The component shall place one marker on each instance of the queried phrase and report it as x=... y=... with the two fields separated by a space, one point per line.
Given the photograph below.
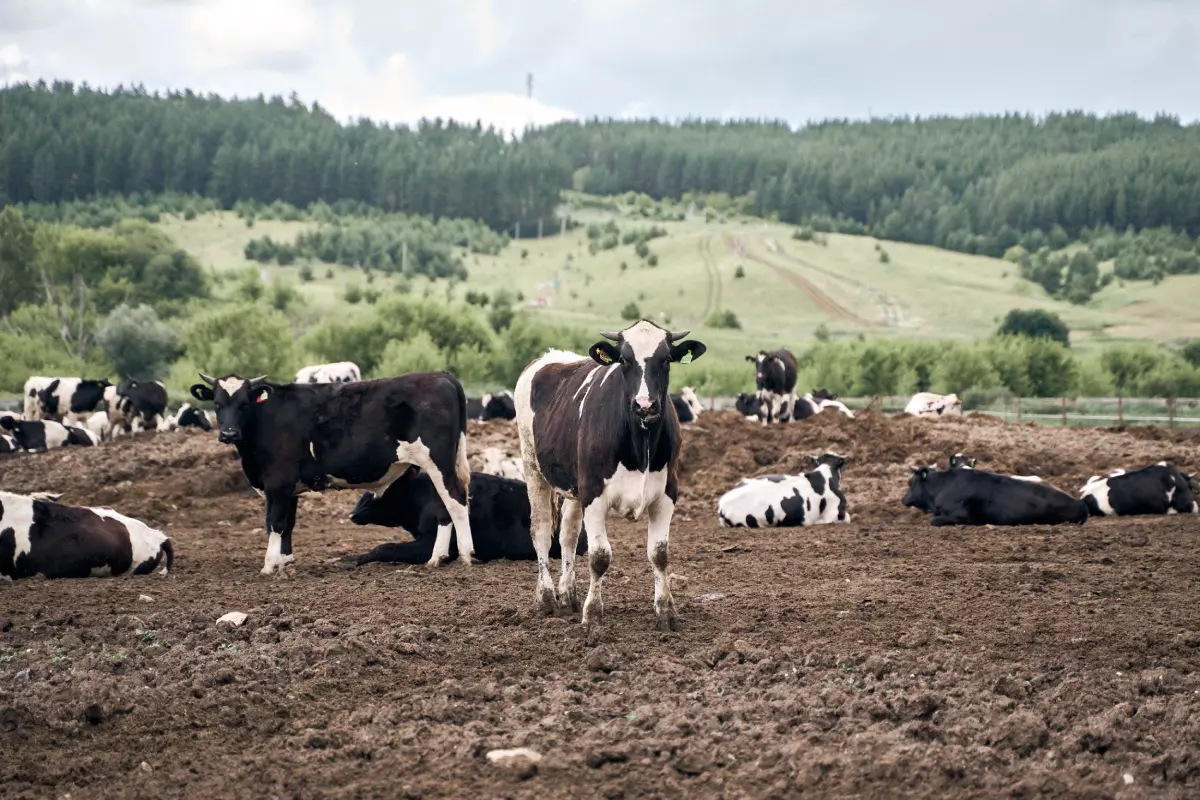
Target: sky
x=796 y=60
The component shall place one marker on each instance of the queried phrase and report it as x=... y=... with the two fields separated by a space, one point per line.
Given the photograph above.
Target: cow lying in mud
x=974 y=497
x=1157 y=489
x=499 y=515
x=814 y=498
x=41 y=536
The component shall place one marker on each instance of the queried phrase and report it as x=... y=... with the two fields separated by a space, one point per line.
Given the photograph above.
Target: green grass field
x=789 y=289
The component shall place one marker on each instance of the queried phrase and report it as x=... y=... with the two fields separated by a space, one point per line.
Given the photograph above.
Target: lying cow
x=1157 y=489
x=975 y=497
x=964 y=461
x=814 y=498
x=775 y=382
x=338 y=372
x=8 y=444
x=188 y=416
x=70 y=400
x=499 y=515
x=294 y=438
x=38 y=535
x=805 y=407
x=928 y=404
x=46 y=434
x=496 y=463
x=687 y=404
x=492 y=406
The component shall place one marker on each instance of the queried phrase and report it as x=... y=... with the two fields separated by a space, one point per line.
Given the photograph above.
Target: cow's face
x=47 y=398
x=760 y=364
x=236 y=400
x=747 y=404
x=918 y=494
x=644 y=353
x=962 y=461
x=364 y=512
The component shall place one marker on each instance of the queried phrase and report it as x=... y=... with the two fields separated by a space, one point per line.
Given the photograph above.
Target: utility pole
x=529 y=96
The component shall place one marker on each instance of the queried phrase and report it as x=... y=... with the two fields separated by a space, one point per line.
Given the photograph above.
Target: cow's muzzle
x=227 y=436
x=645 y=409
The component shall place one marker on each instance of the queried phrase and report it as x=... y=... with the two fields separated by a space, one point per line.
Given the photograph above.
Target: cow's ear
x=687 y=351
x=750 y=358
x=604 y=353
x=202 y=392
x=261 y=392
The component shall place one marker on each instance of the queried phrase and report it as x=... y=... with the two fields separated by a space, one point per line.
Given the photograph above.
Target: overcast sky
x=791 y=59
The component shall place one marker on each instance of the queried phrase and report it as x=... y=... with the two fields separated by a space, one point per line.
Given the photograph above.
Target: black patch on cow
x=28 y=435
x=770 y=514
x=68 y=542
x=817 y=481
x=823 y=505
x=8 y=549
x=751 y=522
x=682 y=409
x=78 y=437
x=146 y=400
x=793 y=509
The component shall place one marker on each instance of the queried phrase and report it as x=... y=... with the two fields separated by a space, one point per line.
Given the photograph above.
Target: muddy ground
x=883 y=657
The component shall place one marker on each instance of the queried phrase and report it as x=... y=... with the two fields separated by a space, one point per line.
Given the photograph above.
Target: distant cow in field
x=46 y=434
x=499 y=515
x=813 y=498
x=188 y=416
x=496 y=463
x=964 y=461
x=296 y=437
x=492 y=406
x=1157 y=489
x=687 y=405
x=928 y=404
x=975 y=497
x=602 y=433
x=809 y=405
x=38 y=535
x=70 y=400
x=32 y=409
x=140 y=400
x=338 y=372
x=775 y=381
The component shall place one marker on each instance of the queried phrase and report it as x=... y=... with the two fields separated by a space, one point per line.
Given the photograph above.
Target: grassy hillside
x=789 y=287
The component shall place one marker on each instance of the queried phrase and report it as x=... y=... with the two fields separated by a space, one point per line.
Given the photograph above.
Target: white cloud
x=13 y=64
x=259 y=34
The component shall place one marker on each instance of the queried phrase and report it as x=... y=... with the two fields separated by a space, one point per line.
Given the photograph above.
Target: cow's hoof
x=436 y=562
x=466 y=560
x=546 y=602
x=593 y=616
x=568 y=600
x=668 y=622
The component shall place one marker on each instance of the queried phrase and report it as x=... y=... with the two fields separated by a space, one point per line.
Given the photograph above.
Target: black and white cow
x=495 y=462
x=144 y=400
x=188 y=416
x=809 y=405
x=33 y=385
x=1157 y=489
x=70 y=400
x=299 y=437
x=602 y=433
x=824 y=394
x=749 y=406
x=8 y=444
x=499 y=515
x=975 y=497
x=687 y=404
x=38 y=535
x=775 y=380
x=964 y=461
x=814 y=498
x=930 y=405
x=46 y=434
x=492 y=406
x=338 y=372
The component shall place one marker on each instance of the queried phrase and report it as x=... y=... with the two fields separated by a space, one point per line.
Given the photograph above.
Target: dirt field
x=883 y=657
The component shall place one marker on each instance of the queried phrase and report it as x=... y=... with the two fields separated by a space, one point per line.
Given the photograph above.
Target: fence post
x=1018 y=409
x=1120 y=411
x=1063 y=404
x=1171 y=412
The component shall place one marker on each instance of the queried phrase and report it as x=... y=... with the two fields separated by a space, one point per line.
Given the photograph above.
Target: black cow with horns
x=602 y=433
x=294 y=438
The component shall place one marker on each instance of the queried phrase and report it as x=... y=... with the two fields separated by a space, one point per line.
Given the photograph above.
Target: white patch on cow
x=688 y=395
x=836 y=405
x=312 y=451
x=1027 y=478
x=523 y=401
x=18 y=515
x=753 y=496
x=92 y=435
x=645 y=339
x=483 y=401
x=231 y=385
x=1170 y=494
x=145 y=542
x=441 y=545
x=1161 y=464
x=417 y=454
x=163 y=424
x=337 y=372
x=609 y=370
x=97 y=424
x=275 y=559
x=583 y=388
x=1098 y=489
x=56 y=434
x=492 y=457
x=629 y=493
x=100 y=572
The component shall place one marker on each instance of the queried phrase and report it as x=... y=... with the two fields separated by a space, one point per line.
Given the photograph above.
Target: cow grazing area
x=882 y=656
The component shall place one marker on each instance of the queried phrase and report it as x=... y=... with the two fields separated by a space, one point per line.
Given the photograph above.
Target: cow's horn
x=675 y=337
x=206 y=379
x=613 y=336
x=258 y=380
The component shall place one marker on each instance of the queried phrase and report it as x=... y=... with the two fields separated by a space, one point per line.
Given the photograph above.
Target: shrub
x=740 y=272
x=189 y=214
x=631 y=311
x=305 y=273
x=244 y=338
x=353 y=293
x=280 y=295
x=1035 y=323
x=1191 y=352
x=722 y=319
x=652 y=260
x=417 y=354
x=137 y=343
x=884 y=258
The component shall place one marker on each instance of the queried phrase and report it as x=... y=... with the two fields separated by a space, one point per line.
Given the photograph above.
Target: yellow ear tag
x=687 y=358
x=604 y=356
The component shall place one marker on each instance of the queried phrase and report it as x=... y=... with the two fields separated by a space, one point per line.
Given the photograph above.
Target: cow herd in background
x=598 y=433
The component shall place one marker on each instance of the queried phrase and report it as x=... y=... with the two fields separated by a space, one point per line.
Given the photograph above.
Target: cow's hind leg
x=541 y=513
x=450 y=475
x=568 y=538
x=599 y=557
x=656 y=550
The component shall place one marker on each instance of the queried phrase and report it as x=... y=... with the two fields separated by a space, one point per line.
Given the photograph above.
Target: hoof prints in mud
x=879 y=657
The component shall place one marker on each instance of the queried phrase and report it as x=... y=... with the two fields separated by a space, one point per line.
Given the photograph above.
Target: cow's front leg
x=656 y=550
x=281 y=518
x=599 y=557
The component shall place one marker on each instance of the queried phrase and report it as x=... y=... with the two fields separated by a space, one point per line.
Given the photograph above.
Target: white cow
x=339 y=372
x=928 y=404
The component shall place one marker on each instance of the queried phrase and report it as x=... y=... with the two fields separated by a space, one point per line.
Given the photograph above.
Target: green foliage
x=353 y=293
x=884 y=258
x=1036 y=323
x=1191 y=352
x=963 y=367
x=281 y=295
x=630 y=311
x=245 y=338
x=652 y=260
x=305 y=273
x=879 y=370
x=18 y=253
x=1170 y=377
x=740 y=272
x=418 y=354
x=137 y=343
x=718 y=319
x=1127 y=364
x=477 y=299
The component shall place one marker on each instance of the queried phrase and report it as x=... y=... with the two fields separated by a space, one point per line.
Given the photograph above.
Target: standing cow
x=297 y=437
x=70 y=400
x=338 y=372
x=775 y=379
x=144 y=401
x=602 y=433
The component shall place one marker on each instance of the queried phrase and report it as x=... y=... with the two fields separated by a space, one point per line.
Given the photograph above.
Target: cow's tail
x=169 y=550
x=461 y=466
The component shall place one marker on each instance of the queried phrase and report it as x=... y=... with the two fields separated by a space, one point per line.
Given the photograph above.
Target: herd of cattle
x=598 y=433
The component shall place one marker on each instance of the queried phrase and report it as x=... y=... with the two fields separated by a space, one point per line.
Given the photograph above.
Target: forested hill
x=973 y=184
x=59 y=142
x=978 y=184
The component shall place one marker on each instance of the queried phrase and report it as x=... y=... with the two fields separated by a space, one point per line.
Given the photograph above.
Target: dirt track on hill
x=883 y=657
